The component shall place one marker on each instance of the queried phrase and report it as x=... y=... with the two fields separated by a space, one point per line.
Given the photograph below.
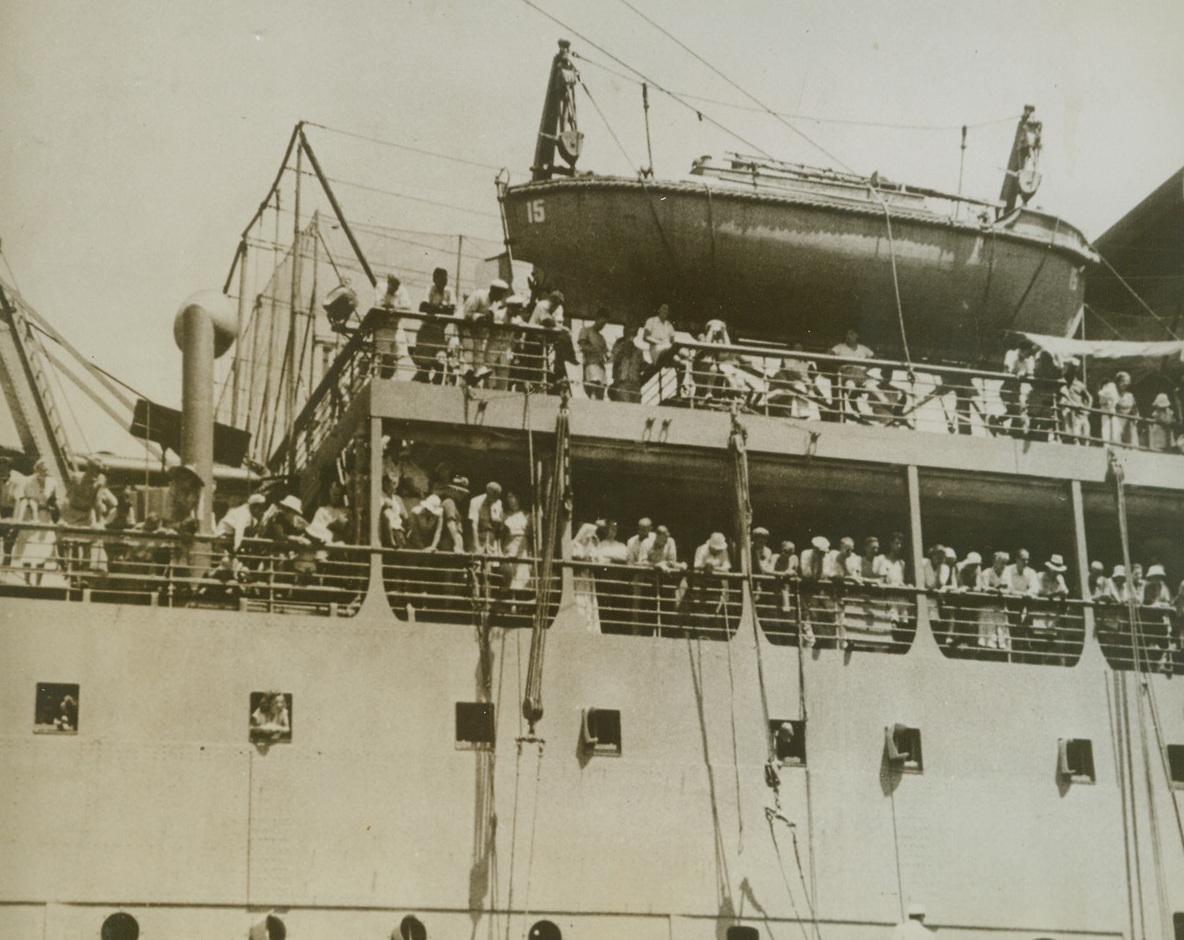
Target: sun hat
x=821 y=542
x=1097 y=567
x=256 y=499
x=717 y=542
x=1161 y=401
x=1118 y=572
x=498 y=284
x=974 y=558
x=431 y=504
x=1056 y=563
x=460 y=482
x=761 y=531
x=1155 y=571
x=293 y=503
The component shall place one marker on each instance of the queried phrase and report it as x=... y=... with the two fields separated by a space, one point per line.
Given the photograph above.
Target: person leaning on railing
x=39 y=500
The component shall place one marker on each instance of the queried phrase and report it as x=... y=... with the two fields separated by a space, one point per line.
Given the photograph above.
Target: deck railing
x=836 y=614
x=165 y=569
x=455 y=587
x=884 y=393
x=170 y=570
x=759 y=379
x=647 y=601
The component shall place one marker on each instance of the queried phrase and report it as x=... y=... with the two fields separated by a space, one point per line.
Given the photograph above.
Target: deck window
x=789 y=741
x=1075 y=761
x=902 y=746
x=1175 y=755
x=474 y=724
x=55 y=710
x=600 y=731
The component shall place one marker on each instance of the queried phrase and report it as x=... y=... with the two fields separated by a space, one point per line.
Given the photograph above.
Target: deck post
x=1090 y=649
x=917 y=546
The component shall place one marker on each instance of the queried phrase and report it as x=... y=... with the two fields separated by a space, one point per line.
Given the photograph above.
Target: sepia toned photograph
x=709 y=471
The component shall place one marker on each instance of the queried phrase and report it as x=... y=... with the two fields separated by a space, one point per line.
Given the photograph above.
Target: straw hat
x=256 y=499
x=1118 y=572
x=760 y=532
x=1161 y=401
x=1056 y=563
x=974 y=558
x=1156 y=571
x=717 y=542
x=293 y=503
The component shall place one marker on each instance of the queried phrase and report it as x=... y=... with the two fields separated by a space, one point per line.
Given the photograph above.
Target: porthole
x=410 y=928
x=544 y=930
x=120 y=926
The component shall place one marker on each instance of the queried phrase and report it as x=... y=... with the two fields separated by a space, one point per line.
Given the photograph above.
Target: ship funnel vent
x=1075 y=760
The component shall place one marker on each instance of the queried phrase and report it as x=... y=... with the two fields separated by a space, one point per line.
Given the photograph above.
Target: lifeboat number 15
x=536 y=211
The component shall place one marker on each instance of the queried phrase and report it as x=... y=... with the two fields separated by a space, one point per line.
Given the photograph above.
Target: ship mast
x=557 y=127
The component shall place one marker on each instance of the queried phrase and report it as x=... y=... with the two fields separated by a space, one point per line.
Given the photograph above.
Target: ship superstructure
x=362 y=735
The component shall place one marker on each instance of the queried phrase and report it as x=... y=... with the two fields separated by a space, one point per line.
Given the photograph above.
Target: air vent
x=902 y=747
x=600 y=731
x=1075 y=760
x=474 y=724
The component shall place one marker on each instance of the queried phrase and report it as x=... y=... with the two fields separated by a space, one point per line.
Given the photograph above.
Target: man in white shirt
x=853 y=378
x=550 y=308
x=242 y=521
x=395 y=297
x=659 y=336
x=634 y=551
x=478 y=314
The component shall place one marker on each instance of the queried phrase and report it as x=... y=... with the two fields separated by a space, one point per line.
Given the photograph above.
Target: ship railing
x=167 y=569
x=952 y=400
x=466 y=587
x=835 y=614
x=1155 y=644
x=637 y=600
x=1010 y=628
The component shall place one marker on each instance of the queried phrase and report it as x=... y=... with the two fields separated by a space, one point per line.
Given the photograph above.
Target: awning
x=1064 y=348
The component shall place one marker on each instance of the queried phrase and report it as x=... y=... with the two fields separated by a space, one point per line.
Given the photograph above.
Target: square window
x=271 y=718
x=1176 y=764
x=1075 y=760
x=474 y=724
x=740 y=932
x=789 y=741
x=55 y=710
x=600 y=731
x=902 y=746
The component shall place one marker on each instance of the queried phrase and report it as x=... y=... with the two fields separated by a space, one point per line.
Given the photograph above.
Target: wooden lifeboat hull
x=798 y=266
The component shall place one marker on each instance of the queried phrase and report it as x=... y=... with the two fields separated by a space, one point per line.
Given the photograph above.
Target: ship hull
x=795 y=266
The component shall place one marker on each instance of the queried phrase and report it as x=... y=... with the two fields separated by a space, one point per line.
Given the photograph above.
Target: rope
x=1172 y=333
x=770 y=816
x=609 y=128
x=699 y=114
x=895 y=281
x=747 y=94
x=534 y=818
x=407 y=147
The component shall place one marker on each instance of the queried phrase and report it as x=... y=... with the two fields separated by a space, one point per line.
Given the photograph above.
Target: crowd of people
x=485 y=340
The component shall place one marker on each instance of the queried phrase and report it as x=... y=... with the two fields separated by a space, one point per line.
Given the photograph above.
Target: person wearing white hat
x=1075 y=404
x=1118 y=590
x=549 y=308
x=1119 y=410
x=242 y=521
x=1161 y=428
x=478 y=314
x=1156 y=622
x=594 y=349
x=812 y=558
x=706 y=603
x=424 y=524
x=762 y=554
x=1045 y=620
x=994 y=630
x=1155 y=588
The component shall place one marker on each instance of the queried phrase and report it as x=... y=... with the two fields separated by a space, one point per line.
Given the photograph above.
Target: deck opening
x=1075 y=761
x=474 y=724
x=120 y=926
x=600 y=731
x=903 y=747
x=789 y=741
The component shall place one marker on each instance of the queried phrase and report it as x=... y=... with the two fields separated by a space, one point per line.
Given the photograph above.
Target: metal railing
x=835 y=614
x=1007 y=627
x=646 y=601
x=1156 y=644
x=806 y=386
x=455 y=587
x=170 y=570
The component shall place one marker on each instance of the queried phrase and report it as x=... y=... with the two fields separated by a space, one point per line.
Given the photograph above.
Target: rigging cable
x=895 y=281
x=1172 y=333
x=390 y=143
x=698 y=113
x=747 y=94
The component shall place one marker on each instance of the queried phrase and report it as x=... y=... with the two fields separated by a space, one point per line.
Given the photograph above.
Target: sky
x=138 y=137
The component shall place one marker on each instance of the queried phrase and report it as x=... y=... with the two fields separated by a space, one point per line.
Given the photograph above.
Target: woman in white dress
x=585 y=548
x=39 y=499
x=515 y=545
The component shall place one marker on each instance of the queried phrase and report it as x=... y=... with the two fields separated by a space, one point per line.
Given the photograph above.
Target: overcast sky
x=137 y=137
